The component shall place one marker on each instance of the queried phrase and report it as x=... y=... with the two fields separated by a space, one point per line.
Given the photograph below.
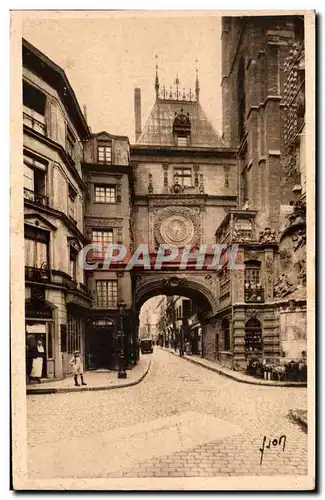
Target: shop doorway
x=35 y=333
x=101 y=346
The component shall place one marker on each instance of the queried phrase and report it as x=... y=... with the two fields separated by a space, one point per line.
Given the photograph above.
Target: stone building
x=185 y=182
x=180 y=184
x=262 y=308
x=108 y=177
x=54 y=131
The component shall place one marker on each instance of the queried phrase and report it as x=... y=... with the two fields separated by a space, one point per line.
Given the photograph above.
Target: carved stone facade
x=265 y=68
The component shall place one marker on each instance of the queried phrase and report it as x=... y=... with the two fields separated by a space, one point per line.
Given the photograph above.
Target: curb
x=59 y=390
x=269 y=383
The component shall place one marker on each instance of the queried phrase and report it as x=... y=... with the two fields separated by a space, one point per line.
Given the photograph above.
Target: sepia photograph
x=162 y=266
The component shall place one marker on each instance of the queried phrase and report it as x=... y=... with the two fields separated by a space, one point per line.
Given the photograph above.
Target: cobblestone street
x=182 y=420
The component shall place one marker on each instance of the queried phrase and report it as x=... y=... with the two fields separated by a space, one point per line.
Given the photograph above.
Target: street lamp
x=121 y=369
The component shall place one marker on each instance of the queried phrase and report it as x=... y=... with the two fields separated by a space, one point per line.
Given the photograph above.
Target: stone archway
x=197 y=286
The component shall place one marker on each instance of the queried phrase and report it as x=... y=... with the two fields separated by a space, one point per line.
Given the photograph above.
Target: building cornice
x=56 y=213
x=139 y=150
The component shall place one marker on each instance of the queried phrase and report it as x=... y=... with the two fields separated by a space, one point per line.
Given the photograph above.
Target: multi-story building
x=185 y=181
x=262 y=310
x=108 y=177
x=181 y=184
x=55 y=131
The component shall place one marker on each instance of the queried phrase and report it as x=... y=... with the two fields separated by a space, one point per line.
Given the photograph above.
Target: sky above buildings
x=107 y=54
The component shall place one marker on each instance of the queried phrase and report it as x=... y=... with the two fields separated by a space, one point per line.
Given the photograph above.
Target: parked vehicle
x=146 y=346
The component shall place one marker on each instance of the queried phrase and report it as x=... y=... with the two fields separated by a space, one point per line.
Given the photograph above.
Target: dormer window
x=104 y=153
x=182 y=128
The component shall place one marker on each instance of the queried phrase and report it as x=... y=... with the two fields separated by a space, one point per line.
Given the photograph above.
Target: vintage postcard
x=162 y=239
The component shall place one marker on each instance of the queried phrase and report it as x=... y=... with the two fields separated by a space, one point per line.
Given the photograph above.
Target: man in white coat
x=77 y=368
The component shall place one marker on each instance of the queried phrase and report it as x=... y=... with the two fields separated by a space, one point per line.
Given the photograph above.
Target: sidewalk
x=96 y=381
x=239 y=376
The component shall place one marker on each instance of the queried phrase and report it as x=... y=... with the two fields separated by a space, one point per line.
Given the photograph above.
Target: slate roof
x=158 y=130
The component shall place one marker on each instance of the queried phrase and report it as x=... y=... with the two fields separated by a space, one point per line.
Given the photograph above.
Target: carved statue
x=150 y=187
x=301 y=268
x=283 y=286
x=267 y=236
x=182 y=119
x=299 y=239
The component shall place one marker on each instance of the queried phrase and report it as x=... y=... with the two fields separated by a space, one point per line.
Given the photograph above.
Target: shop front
x=39 y=331
x=101 y=340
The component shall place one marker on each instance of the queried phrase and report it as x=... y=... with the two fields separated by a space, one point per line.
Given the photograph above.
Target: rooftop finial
x=177 y=82
x=197 y=85
x=157 y=77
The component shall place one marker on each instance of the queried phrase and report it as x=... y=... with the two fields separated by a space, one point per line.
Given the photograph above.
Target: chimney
x=137 y=112
x=85 y=113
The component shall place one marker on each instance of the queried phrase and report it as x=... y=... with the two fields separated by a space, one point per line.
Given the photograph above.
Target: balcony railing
x=30 y=195
x=253 y=292
x=35 y=124
x=37 y=274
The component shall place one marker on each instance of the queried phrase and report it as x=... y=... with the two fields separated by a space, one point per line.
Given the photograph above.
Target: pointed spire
x=157 y=78
x=197 y=85
x=177 y=82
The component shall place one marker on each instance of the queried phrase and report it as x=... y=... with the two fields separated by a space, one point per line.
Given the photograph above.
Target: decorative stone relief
x=150 y=187
x=269 y=276
x=121 y=153
x=201 y=188
x=285 y=258
x=114 y=223
x=299 y=239
x=177 y=225
x=298 y=215
x=242 y=230
x=226 y=172
x=174 y=281
x=267 y=236
x=301 y=270
x=283 y=287
x=168 y=201
x=165 y=168
x=196 y=169
x=294 y=107
x=208 y=279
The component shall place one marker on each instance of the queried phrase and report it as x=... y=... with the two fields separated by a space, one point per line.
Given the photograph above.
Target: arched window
x=253 y=336
x=241 y=98
x=225 y=332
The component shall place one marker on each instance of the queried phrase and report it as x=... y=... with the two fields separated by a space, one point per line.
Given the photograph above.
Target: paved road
x=182 y=420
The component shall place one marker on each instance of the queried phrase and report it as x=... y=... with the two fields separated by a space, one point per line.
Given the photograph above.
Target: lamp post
x=121 y=369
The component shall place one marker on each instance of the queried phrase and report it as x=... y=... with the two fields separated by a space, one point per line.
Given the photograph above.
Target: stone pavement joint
x=239 y=376
x=96 y=381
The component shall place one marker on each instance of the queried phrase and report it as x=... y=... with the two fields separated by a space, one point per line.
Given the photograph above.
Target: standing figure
x=77 y=368
x=37 y=364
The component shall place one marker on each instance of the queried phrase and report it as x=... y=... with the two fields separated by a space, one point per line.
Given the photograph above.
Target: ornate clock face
x=177 y=230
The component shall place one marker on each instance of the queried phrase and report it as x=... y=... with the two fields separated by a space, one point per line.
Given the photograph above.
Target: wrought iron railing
x=41 y=199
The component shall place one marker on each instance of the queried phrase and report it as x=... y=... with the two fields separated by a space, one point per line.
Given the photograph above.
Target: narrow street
x=182 y=420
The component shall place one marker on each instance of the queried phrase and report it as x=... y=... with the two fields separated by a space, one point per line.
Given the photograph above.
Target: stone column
x=268 y=275
x=239 y=337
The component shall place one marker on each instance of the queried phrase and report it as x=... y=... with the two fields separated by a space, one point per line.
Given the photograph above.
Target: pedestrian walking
x=77 y=368
x=38 y=360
